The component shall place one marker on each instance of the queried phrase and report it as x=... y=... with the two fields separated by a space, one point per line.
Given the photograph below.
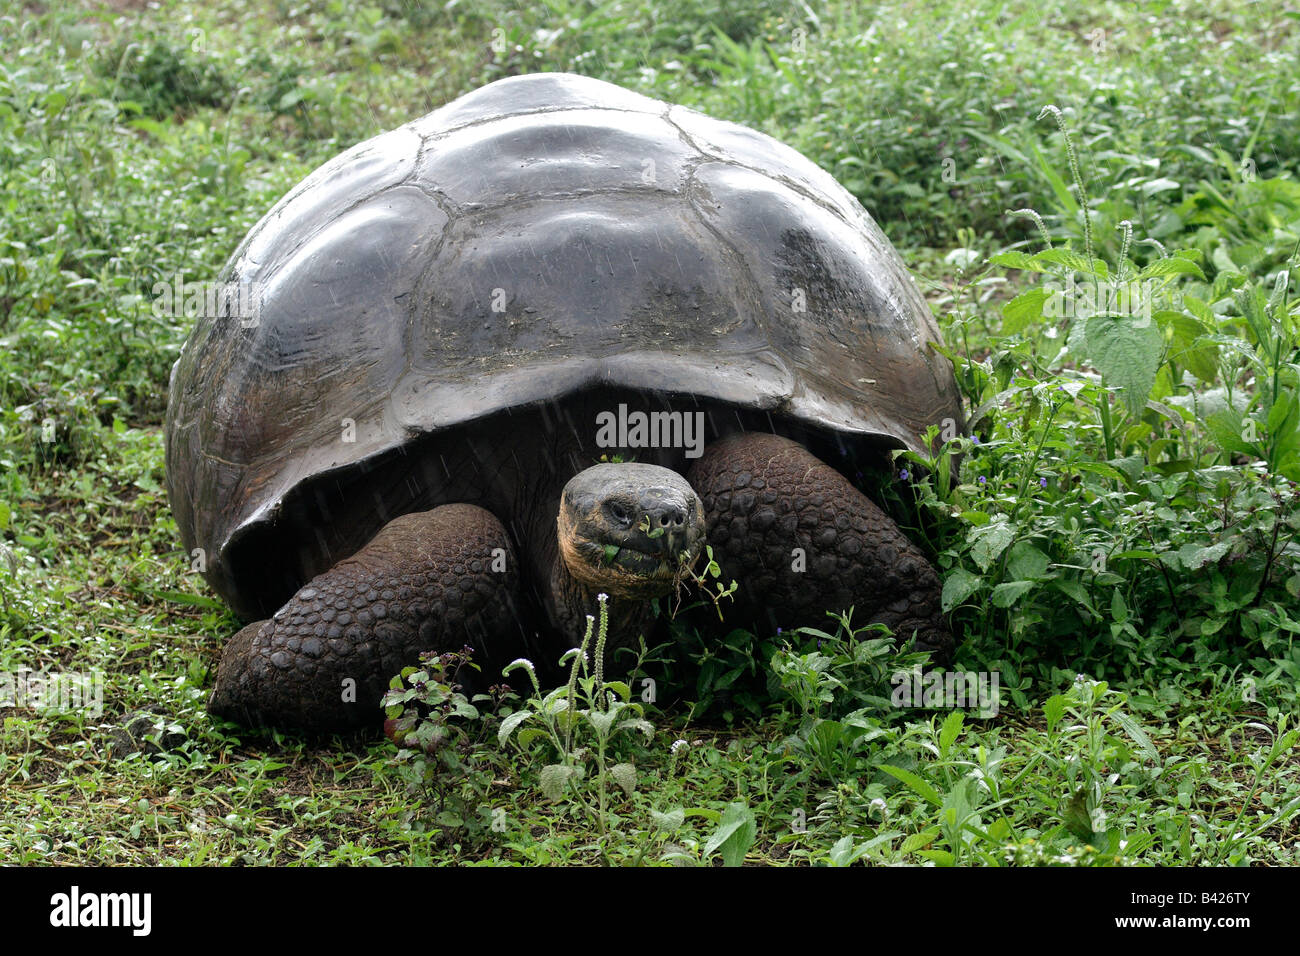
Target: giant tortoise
x=541 y=345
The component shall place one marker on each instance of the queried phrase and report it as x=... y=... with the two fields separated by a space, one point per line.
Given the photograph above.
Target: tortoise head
x=627 y=529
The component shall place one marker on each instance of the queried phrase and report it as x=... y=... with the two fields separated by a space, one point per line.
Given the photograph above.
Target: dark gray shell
x=628 y=242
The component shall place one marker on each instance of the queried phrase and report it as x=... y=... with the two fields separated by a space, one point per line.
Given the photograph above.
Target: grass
x=1117 y=546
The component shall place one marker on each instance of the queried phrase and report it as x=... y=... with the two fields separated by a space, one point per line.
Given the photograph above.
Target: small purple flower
x=975 y=439
x=981 y=479
x=1042 y=482
x=903 y=474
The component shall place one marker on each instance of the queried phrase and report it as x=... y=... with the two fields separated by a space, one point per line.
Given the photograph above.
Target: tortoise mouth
x=630 y=555
x=628 y=529
x=622 y=569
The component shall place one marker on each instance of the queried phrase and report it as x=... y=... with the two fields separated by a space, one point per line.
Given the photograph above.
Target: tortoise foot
x=433 y=581
x=801 y=541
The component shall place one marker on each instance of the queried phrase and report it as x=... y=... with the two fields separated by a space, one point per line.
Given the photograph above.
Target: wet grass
x=140 y=141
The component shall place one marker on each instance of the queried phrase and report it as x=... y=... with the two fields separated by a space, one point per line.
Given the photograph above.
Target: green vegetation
x=1102 y=206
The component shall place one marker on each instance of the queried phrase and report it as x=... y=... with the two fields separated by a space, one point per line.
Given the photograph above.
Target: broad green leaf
x=670 y=820
x=1075 y=261
x=466 y=710
x=1180 y=467
x=1136 y=553
x=1133 y=468
x=1282 y=420
x=624 y=774
x=1194 y=556
x=1126 y=351
x=557 y=702
x=1199 y=309
x=526 y=736
x=713 y=816
x=554 y=777
x=1026 y=563
x=1138 y=736
x=510 y=723
x=620 y=688
x=988 y=542
x=949 y=731
x=959 y=585
x=1118 y=607
x=1009 y=592
x=917 y=785
x=1023 y=310
x=842 y=852
x=1136 y=433
x=1016 y=260
x=734 y=836
x=938 y=857
x=1101 y=468
x=637 y=723
x=1186 y=347
x=1075 y=815
x=1054 y=709
x=1172 y=266
x=1225 y=426
x=1184 y=329
x=601 y=721
x=918 y=840
x=1076 y=591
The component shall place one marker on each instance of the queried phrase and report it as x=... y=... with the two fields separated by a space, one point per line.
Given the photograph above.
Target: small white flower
x=679 y=744
x=602 y=597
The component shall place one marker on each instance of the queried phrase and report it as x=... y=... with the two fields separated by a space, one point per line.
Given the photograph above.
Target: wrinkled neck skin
x=566 y=601
x=572 y=601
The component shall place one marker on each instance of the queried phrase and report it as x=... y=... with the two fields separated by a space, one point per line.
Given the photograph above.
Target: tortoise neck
x=565 y=600
x=570 y=602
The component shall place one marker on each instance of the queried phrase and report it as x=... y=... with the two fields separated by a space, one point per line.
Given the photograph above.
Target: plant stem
x=1164 y=573
x=1107 y=429
x=1268 y=563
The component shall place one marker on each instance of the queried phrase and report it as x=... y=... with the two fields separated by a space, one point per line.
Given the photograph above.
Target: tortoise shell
x=540 y=236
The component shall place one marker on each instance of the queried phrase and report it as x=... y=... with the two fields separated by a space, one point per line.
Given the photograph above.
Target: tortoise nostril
x=669 y=516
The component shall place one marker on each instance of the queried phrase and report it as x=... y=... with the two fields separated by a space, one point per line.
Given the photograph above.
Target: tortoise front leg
x=801 y=541
x=432 y=581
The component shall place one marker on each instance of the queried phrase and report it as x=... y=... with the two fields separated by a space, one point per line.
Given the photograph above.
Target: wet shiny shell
x=541 y=235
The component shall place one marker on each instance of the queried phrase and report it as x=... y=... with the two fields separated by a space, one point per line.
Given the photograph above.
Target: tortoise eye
x=619 y=512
